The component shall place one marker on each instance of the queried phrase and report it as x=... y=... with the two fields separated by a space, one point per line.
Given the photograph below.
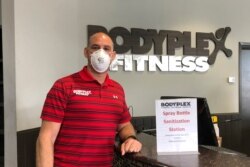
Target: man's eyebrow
x=93 y=45
x=96 y=45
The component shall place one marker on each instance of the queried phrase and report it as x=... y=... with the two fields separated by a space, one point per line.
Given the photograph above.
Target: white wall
x=50 y=35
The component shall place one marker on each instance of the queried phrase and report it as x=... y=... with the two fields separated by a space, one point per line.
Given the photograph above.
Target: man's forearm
x=127 y=131
x=45 y=144
x=44 y=153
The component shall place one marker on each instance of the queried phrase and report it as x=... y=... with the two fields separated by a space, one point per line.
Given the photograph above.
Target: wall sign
x=132 y=52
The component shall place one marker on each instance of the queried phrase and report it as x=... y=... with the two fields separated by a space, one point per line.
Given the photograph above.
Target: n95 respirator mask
x=100 y=60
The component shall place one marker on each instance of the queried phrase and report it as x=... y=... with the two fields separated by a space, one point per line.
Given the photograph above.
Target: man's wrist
x=131 y=136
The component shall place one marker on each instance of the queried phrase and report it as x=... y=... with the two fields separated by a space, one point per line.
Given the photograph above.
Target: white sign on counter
x=176 y=126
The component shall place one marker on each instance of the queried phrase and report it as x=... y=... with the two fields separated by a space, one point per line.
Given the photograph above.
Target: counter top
x=206 y=157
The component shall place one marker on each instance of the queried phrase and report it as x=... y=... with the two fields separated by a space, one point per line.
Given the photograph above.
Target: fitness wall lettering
x=132 y=52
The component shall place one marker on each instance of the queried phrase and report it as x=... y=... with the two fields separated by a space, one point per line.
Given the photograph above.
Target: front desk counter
x=206 y=158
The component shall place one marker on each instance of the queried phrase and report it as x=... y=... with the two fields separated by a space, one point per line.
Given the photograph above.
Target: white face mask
x=100 y=60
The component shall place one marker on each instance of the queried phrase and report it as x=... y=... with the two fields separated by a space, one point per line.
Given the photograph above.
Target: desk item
x=176 y=124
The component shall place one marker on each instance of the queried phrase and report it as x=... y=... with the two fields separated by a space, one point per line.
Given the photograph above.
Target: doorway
x=1 y=105
x=244 y=95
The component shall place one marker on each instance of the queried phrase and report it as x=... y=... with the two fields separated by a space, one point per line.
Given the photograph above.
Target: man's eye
x=107 y=49
x=95 y=47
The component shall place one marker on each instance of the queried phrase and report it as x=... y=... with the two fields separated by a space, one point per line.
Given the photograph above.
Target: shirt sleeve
x=55 y=103
x=125 y=116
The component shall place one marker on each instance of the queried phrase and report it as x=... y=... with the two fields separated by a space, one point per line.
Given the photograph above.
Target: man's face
x=100 y=41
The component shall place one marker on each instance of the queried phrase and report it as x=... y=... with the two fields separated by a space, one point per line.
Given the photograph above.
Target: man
x=83 y=113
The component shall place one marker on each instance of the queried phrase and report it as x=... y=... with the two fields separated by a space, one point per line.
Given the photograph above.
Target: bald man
x=83 y=113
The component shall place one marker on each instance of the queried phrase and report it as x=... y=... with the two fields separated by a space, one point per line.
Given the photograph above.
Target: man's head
x=99 y=52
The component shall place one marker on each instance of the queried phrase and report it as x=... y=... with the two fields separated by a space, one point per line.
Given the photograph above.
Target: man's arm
x=127 y=134
x=45 y=144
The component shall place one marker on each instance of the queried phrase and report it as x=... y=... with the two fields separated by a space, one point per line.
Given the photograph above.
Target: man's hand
x=130 y=145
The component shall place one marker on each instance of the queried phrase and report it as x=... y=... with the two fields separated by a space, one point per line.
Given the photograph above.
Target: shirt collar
x=86 y=76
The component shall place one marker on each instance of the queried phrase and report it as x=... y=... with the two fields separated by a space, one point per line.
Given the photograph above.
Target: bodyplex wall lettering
x=140 y=42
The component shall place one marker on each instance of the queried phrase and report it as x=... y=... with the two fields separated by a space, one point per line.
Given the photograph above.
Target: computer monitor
x=206 y=132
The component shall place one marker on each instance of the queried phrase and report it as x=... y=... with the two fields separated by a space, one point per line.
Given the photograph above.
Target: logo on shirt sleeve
x=82 y=92
x=115 y=97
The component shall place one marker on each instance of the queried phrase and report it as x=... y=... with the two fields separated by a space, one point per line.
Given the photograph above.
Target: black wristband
x=131 y=136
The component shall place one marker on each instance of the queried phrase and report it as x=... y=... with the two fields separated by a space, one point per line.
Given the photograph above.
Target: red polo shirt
x=89 y=114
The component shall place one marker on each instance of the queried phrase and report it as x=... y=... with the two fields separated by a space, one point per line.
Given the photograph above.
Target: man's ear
x=86 y=52
x=113 y=55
